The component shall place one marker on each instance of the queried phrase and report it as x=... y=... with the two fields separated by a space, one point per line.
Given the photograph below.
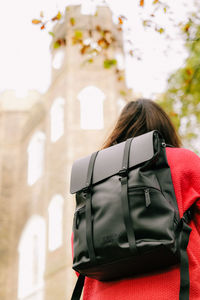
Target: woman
x=139 y=117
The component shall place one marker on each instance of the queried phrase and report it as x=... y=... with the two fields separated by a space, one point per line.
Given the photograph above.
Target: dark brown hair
x=141 y=116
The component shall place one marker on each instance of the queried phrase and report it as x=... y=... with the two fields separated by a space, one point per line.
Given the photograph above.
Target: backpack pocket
x=152 y=217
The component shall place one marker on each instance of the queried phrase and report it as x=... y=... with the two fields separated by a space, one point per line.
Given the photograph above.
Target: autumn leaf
x=160 y=30
x=98 y=28
x=72 y=21
x=189 y=71
x=142 y=3
x=78 y=34
x=59 y=43
x=56 y=45
x=57 y=17
x=85 y=49
x=120 y=78
x=122 y=93
x=36 y=21
x=186 y=27
x=155 y=1
x=51 y=33
x=173 y=114
x=42 y=27
x=120 y=20
x=103 y=43
x=108 y=63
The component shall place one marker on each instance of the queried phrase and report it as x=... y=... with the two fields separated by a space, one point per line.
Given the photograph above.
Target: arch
x=31 y=257
x=55 y=232
x=36 y=157
x=57 y=119
x=120 y=60
x=91 y=108
x=58 y=59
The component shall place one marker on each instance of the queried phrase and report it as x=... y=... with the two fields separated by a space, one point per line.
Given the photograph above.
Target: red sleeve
x=185 y=170
x=72 y=237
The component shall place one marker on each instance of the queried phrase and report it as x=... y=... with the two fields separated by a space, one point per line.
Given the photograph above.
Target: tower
x=41 y=136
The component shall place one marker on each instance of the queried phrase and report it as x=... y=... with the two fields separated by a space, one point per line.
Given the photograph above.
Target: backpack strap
x=184 y=263
x=78 y=287
x=124 y=197
x=89 y=225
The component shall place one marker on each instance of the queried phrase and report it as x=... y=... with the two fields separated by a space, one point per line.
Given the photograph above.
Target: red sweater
x=185 y=169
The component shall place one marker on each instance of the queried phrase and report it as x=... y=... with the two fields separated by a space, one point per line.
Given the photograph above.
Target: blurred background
x=67 y=68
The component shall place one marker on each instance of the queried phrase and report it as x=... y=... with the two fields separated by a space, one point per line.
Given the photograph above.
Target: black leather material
x=109 y=161
x=152 y=207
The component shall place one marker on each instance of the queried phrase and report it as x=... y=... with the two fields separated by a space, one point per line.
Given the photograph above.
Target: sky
x=25 y=58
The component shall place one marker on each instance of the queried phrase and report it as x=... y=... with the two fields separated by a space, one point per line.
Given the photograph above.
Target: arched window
x=57 y=119
x=55 y=211
x=36 y=157
x=58 y=59
x=91 y=105
x=120 y=60
x=32 y=258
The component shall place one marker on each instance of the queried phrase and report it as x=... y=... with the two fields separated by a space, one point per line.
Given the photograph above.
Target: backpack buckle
x=123 y=172
x=87 y=189
x=187 y=216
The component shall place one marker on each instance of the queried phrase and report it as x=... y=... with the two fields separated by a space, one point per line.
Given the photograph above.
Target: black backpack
x=127 y=221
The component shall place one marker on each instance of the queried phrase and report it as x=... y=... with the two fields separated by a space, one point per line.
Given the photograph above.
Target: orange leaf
x=84 y=49
x=91 y=60
x=173 y=114
x=155 y=1
x=141 y=2
x=186 y=27
x=57 y=17
x=120 y=78
x=36 y=21
x=189 y=71
x=42 y=27
x=98 y=28
x=120 y=20
x=103 y=43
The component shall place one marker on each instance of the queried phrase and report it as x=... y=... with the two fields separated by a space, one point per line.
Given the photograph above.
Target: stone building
x=40 y=136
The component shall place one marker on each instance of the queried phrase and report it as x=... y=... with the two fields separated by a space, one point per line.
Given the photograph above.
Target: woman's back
x=185 y=170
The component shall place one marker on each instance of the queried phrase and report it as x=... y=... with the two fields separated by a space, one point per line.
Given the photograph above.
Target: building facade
x=41 y=136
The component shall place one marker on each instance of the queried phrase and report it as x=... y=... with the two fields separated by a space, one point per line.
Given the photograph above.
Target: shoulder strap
x=89 y=225
x=78 y=288
x=184 y=263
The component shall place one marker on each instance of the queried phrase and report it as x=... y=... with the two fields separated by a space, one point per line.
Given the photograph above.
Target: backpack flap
x=109 y=160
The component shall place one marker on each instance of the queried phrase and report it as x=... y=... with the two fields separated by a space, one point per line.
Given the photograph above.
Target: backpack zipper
x=147 y=197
